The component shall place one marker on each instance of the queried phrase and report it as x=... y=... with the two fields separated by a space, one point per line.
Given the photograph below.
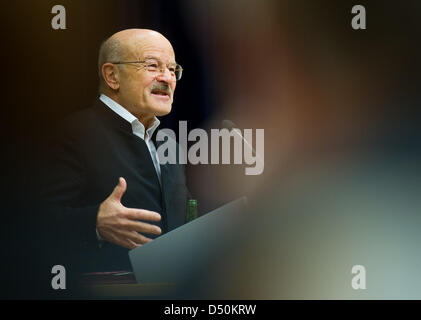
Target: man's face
x=142 y=92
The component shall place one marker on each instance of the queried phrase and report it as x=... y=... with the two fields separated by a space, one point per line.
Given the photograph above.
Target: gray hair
x=111 y=50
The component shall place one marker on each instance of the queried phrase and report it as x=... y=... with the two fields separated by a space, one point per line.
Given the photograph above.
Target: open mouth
x=160 y=93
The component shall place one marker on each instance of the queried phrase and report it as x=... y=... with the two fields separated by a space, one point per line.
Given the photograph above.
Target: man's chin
x=160 y=111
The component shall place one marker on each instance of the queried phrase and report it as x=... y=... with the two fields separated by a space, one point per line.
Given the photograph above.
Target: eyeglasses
x=157 y=67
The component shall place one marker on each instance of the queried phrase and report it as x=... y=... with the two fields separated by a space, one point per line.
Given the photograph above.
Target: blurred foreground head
x=339 y=109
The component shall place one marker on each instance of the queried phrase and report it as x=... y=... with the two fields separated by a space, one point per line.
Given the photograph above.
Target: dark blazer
x=93 y=148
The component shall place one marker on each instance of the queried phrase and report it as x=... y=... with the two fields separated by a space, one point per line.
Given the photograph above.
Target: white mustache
x=164 y=88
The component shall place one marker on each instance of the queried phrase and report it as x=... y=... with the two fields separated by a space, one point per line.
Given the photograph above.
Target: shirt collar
x=137 y=127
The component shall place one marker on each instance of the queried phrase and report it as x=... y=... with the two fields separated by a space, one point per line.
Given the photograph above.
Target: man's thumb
x=119 y=189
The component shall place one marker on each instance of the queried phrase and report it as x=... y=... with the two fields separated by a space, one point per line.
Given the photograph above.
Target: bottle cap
x=192 y=202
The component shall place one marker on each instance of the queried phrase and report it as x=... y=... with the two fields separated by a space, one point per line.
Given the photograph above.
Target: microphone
x=228 y=124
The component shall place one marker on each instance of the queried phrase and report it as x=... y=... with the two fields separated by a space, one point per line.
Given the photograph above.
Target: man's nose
x=165 y=76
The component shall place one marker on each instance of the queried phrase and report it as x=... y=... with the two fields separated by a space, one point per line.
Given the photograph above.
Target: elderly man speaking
x=105 y=188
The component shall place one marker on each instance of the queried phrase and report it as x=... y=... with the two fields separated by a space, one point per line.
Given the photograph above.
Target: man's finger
x=119 y=189
x=142 y=227
x=133 y=236
x=146 y=240
x=126 y=243
x=141 y=214
x=132 y=244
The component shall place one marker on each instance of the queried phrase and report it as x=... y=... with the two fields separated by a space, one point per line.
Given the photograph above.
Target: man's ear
x=111 y=75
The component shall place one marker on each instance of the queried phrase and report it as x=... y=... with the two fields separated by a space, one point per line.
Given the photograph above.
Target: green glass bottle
x=191 y=210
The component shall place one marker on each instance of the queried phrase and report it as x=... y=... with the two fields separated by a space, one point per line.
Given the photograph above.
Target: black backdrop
x=51 y=73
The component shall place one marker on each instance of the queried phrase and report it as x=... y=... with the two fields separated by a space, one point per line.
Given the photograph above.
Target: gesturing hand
x=119 y=225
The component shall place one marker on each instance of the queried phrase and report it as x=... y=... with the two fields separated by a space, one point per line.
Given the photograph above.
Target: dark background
x=52 y=73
